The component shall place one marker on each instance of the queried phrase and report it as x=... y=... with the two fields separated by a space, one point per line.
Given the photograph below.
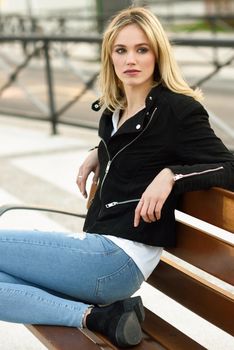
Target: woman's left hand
x=152 y=200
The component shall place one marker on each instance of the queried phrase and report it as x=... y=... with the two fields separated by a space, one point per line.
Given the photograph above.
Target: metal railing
x=63 y=24
x=44 y=43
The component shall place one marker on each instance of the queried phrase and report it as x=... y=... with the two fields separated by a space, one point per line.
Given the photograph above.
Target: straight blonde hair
x=168 y=72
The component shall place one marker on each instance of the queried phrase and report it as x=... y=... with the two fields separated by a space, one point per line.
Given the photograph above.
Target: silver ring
x=80 y=176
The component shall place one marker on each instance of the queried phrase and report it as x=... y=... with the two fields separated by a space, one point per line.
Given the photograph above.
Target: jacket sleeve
x=202 y=160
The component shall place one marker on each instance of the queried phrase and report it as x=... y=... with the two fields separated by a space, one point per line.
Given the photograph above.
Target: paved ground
x=40 y=169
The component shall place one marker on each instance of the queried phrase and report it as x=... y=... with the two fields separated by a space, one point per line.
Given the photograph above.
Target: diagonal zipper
x=121 y=150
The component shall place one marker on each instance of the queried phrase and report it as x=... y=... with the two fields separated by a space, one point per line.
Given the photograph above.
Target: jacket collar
x=135 y=124
x=153 y=97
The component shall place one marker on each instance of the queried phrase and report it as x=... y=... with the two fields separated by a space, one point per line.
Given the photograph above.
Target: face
x=132 y=57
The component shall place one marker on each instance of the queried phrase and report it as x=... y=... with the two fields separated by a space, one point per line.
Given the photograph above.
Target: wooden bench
x=202 y=245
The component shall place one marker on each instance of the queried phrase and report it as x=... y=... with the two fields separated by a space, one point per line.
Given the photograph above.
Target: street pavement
x=40 y=169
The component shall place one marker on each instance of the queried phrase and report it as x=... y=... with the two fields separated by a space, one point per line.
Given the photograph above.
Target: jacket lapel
x=133 y=125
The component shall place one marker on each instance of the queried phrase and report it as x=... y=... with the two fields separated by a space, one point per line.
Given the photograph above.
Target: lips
x=131 y=71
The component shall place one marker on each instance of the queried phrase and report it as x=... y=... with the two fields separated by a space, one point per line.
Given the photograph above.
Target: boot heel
x=128 y=332
x=136 y=305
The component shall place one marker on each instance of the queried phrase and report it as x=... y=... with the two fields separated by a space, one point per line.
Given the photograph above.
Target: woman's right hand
x=90 y=164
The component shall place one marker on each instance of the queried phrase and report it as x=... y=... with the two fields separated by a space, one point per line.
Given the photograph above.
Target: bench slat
x=66 y=338
x=216 y=206
x=201 y=299
x=167 y=335
x=159 y=335
x=205 y=252
x=63 y=338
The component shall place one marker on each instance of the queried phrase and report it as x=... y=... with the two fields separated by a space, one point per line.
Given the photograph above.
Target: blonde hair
x=168 y=70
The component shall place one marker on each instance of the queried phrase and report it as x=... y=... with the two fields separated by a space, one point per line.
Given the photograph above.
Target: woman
x=156 y=143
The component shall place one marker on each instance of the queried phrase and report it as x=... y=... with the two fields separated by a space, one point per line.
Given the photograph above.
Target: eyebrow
x=141 y=44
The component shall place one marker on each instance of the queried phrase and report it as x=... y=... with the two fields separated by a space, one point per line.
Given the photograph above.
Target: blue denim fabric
x=52 y=277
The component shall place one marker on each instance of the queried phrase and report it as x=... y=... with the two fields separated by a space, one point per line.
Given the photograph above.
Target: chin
x=133 y=82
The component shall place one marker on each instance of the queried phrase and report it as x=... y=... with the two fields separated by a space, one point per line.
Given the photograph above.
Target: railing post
x=105 y=9
x=51 y=100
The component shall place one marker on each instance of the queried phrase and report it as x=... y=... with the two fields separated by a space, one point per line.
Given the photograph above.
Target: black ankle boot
x=120 y=321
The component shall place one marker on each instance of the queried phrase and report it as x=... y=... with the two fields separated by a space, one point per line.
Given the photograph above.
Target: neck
x=135 y=97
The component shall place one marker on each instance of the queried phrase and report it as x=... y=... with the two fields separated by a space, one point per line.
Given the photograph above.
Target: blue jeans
x=52 y=278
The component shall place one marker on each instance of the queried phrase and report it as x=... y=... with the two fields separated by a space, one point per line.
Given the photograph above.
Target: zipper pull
x=177 y=177
x=108 y=166
x=109 y=205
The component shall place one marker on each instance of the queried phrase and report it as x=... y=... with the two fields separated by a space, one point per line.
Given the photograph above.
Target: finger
x=81 y=182
x=137 y=215
x=144 y=212
x=83 y=186
x=158 y=209
x=79 y=177
x=96 y=175
x=151 y=211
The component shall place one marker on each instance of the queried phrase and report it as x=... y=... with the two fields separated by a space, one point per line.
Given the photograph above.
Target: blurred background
x=49 y=63
x=49 y=56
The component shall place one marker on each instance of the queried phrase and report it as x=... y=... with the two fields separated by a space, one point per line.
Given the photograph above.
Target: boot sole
x=128 y=331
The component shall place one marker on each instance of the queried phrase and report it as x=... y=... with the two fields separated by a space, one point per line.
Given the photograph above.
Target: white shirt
x=146 y=257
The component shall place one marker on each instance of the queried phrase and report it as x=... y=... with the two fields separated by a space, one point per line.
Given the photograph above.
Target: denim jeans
x=52 y=278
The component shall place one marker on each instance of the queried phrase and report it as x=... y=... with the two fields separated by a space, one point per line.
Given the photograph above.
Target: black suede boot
x=120 y=321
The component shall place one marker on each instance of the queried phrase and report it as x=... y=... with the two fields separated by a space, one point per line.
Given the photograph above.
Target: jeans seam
x=135 y=273
x=112 y=275
x=37 y=298
x=114 y=251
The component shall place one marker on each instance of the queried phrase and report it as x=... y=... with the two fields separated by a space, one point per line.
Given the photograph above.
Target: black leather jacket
x=173 y=132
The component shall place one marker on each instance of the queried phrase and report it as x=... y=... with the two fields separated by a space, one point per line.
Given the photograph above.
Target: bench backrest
x=208 y=247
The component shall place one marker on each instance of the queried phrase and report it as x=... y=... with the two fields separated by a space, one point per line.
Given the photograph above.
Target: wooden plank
x=63 y=338
x=167 y=335
x=68 y=338
x=207 y=302
x=91 y=195
x=216 y=206
x=158 y=335
x=205 y=252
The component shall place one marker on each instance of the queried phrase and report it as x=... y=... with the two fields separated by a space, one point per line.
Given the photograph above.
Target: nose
x=130 y=58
